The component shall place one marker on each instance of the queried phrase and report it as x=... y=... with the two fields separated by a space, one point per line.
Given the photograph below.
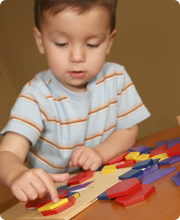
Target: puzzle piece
x=143 y=164
x=103 y=196
x=53 y=205
x=75 y=194
x=109 y=168
x=161 y=143
x=132 y=156
x=176 y=179
x=159 y=150
x=143 y=193
x=125 y=163
x=148 y=171
x=157 y=175
x=140 y=148
x=79 y=178
x=123 y=188
x=61 y=195
x=161 y=157
x=142 y=157
x=170 y=160
x=116 y=159
x=34 y=203
x=148 y=150
x=130 y=174
x=174 y=150
x=79 y=187
x=71 y=201
x=173 y=142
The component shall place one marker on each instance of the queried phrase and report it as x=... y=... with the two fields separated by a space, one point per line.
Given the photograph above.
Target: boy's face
x=75 y=45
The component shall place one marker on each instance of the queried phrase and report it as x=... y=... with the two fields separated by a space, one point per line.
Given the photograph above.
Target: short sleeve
x=131 y=109
x=25 y=117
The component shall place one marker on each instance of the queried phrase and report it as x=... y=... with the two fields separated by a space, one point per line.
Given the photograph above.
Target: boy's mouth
x=77 y=74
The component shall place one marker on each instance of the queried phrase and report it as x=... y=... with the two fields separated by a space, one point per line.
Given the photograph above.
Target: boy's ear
x=111 y=40
x=38 y=39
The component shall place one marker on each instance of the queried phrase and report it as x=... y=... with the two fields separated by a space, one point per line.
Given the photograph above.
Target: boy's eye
x=93 y=45
x=61 y=45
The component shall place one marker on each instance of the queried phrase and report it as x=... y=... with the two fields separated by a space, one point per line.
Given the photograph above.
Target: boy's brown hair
x=55 y=6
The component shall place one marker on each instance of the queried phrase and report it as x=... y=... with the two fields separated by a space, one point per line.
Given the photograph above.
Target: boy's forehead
x=93 y=15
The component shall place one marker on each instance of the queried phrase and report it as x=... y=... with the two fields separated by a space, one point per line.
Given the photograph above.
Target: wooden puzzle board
x=88 y=197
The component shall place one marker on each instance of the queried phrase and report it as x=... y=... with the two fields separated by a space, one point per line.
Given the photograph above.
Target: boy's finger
x=58 y=178
x=48 y=181
x=21 y=196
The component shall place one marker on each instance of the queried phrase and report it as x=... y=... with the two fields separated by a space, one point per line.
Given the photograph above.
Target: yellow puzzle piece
x=162 y=156
x=132 y=155
x=108 y=168
x=53 y=205
x=142 y=157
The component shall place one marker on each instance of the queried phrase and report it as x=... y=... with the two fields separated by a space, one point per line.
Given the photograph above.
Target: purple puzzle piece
x=79 y=186
x=140 y=148
x=161 y=143
x=173 y=142
x=176 y=179
x=148 y=171
x=157 y=175
x=169 y=160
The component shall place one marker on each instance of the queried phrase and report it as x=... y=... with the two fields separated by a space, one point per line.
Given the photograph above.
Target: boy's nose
x=77 y=54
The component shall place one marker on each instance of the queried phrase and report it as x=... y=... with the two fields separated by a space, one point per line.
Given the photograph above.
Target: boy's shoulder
x=114 y=67
x=38 y=85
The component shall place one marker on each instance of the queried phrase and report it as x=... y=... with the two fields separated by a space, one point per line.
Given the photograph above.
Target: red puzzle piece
x=137 y=196
x=125 y=163
x=71 y=201
x=79 y=178
x=159 y=150
x=123 y=188
x=34 y=203
x=116 y=159
x=61 y=195
x=174 y=150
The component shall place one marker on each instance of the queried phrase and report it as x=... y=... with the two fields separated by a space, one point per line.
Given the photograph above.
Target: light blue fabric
x=57 y=120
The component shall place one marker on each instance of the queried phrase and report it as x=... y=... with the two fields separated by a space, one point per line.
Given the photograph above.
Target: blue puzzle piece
x=148 y=151
x=176 y=179
x=103 y=196
x=169 y=160
x=130 y=174
x=140 y=148
x=143 y=164
x=100 y=168
x=157 y=175
x=173 y=142
x=155 y=161
x=148 y=171
x=161 y=143
x=62 y=187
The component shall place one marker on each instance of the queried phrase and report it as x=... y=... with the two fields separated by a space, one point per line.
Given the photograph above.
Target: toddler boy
x=79 y=113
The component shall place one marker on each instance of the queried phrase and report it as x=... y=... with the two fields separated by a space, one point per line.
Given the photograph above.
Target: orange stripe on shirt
x=99 y=109
x=27 y=122
x=106 y=77
x=62 y=148
x=119 y=93
x=51 y=165
x=101 y=134
x=119 y=116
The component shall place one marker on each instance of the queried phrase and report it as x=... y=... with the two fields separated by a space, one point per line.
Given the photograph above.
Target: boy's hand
x=33 y=184
x=87 y=158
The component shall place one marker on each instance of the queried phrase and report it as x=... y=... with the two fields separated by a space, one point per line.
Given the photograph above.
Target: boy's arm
x=118 y=142
x=92 y=158
x=26 y=184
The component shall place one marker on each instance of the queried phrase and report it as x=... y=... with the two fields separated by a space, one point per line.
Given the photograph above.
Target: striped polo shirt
x=57 y=121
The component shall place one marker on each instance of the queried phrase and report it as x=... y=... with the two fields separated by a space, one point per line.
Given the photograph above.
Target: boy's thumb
x=58 y=178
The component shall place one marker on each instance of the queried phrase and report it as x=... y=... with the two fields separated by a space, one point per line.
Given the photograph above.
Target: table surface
x=164 y=203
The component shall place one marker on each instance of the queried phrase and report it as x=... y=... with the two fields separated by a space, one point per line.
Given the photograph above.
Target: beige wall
x=147 y=44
